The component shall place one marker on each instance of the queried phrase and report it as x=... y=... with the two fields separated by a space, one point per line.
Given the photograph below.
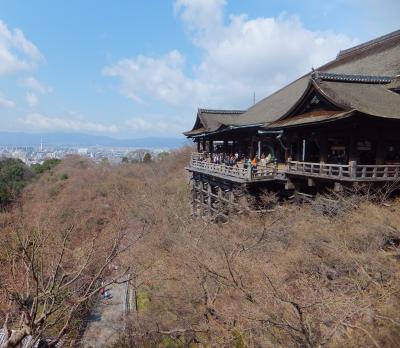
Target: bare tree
x=49 y=279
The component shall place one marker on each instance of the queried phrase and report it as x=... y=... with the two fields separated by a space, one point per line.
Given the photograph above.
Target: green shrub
x=147 y=157
x=14 y=175
x=46 y=165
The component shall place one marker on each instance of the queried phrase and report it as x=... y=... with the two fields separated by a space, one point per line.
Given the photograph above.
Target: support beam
x=220 y=202
x=289 y=185
x=194 y=197
x=209 y=199
x=338 y=187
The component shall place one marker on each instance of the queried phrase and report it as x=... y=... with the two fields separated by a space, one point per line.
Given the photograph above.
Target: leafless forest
x=298 y=275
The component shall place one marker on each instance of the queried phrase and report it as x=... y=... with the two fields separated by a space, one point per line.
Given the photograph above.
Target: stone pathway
x=106 y=322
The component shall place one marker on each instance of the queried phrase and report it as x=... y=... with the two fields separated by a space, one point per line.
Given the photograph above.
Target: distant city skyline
x=40 y=140
x=135 y=69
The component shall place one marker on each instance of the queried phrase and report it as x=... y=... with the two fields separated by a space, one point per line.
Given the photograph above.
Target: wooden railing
x=320 y=169
x=382 y=172
x=238 y=170
x=220 y=169
x=350 y=171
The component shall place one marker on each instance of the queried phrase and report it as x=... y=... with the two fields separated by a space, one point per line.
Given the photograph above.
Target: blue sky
x=141 y=68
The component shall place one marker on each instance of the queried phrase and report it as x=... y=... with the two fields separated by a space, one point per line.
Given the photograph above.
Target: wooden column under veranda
x=206 y=203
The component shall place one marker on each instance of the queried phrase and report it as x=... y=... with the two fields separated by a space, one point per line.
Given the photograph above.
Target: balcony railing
x=338 y=171
x=239 y=171
x=341 y=172
x=351 y=171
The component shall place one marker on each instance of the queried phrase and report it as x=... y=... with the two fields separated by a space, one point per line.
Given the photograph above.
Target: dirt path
x=106 y=322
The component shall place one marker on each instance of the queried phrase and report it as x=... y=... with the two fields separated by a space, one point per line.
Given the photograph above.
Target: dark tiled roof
x=223 y=112
x=370 y=64
x=209 y=120
x=369 y=44
x=310 y=118
x=194 y=132
x=381 y=60
x=372 y=99
x=326 y=76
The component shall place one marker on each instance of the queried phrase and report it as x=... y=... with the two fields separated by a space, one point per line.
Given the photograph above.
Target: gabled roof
x=343 y=94
x=210 y=120
x=371 y=99
x=311 y=118
x=364 y=66
x=378 y=57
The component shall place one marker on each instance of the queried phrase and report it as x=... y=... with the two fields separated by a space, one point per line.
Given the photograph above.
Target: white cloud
x=159 y=78
x=154 y=124
x=16 y=51
x=5 y=102
x=204 y=19
x=240 y=57
x=34 y=85
x=139 y=124
x=32 y=99
x=39 y=121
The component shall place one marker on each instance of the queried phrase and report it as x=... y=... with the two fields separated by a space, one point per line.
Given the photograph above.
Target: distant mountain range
x=79 y=139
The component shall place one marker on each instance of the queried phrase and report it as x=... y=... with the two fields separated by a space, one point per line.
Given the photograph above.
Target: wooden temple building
x=337 y=125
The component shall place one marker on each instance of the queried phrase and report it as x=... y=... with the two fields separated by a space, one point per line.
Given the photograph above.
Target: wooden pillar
x=201 y=187
x=231 y=200
x=204 y=144
x=353 y=169
x=209 y=199
x=198 y=145
x=252 y=147
x=337 y=187
x=380 y=151
x=299 y=149
x=194 y=194
x=211 y=146
x=288 y=150
x=225 y=146
x=323 y=149
x=220 y=202
x=259 y=149
x=353 y=153
x=289 y=185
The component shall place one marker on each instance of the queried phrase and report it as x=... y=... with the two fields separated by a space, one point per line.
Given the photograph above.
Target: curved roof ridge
x=221 y=111
x=368 y=44
x=358 y=78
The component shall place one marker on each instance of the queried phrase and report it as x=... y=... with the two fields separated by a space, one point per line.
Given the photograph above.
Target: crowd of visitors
x=236 y=159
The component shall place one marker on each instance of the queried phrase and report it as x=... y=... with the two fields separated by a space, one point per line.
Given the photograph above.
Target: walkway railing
x=378 y=172
x=345 y=172
x=237 y=171
x=320 y=169
x=351 y=171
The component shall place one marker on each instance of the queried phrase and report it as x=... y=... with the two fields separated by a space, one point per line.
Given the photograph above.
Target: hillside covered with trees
x=291 y=276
